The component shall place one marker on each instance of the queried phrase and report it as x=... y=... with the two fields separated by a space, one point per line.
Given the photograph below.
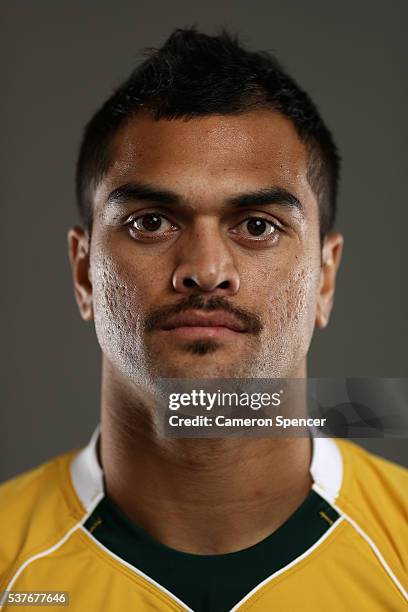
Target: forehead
x=214 y=155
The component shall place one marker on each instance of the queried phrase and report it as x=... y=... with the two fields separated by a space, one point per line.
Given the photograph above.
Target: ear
x=78 y=248
x=331 y=255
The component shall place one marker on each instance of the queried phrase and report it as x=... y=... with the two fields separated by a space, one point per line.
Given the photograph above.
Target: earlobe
x=78 y=249
x=331 y=256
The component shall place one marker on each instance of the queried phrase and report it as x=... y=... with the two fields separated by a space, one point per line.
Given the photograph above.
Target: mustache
x=158 y=317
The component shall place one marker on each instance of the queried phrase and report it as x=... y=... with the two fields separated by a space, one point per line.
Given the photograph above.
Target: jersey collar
x=326 y=470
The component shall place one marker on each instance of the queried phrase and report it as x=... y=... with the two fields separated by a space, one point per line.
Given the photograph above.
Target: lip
x=204 y=323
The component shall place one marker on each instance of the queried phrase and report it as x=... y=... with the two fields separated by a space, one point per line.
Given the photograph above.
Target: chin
x=199 y=362
x=202 y=347
x=205 y=358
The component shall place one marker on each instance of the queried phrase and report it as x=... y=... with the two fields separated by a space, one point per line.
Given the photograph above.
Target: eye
x=256 y=227
x=151 y=223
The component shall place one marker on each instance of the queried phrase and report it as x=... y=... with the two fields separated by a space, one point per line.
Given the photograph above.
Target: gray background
x=60 y=60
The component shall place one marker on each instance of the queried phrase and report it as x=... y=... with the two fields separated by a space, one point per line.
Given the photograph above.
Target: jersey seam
x=368 y=539
x=374 y=548
x=55 y=537
x=22 y=558
x=130 y=574
x=20 y=565
x=336 y=530
x=356 y=517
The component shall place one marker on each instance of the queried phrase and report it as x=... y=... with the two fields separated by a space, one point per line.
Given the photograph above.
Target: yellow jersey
x=344 y=549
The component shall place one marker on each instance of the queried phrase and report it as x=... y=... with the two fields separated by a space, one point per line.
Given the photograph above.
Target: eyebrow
x=132 y=192
x=267 y=195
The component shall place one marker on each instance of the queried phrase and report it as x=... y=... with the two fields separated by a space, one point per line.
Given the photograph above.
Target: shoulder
x=366 y=476
x=36 y=509
x=374 y=499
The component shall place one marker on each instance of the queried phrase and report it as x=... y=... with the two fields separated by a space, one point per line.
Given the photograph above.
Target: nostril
x=189 y=282
x=224 y=285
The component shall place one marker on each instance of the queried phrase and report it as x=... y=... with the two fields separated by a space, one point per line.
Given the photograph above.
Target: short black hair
x=195 y=74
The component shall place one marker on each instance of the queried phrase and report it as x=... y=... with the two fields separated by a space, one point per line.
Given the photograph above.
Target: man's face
x=205 y=258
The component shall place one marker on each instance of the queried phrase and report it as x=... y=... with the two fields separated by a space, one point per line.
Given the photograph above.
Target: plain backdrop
x=60 y=61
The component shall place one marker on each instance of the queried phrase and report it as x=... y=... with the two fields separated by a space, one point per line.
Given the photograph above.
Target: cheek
x=118 y=301
x=292 y=297
x=299 y=297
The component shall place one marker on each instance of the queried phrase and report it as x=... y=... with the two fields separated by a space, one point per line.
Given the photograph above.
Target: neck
x=203 y=496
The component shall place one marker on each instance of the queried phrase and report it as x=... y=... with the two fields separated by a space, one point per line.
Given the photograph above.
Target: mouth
x=204 y=325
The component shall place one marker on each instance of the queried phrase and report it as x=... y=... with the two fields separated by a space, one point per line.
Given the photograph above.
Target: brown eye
x=256 y=227
x=150 y=223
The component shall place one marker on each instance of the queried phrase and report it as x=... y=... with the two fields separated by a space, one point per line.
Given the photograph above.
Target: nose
x=205 y=264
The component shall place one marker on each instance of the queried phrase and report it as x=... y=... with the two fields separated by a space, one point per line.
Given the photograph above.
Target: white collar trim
x=86 y=473
x=326 y=469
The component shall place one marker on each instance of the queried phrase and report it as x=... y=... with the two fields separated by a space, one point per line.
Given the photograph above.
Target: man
x=207 y=188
